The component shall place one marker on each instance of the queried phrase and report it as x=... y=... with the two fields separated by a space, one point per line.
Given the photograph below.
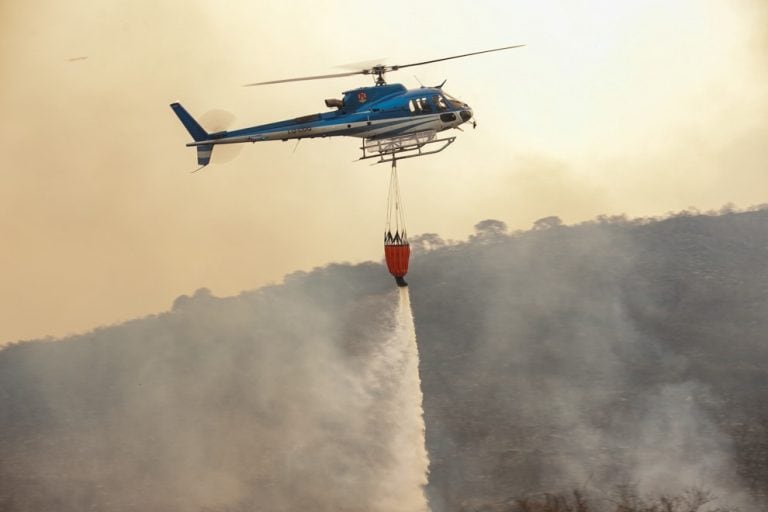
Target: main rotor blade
x=395 y=68
x=364 y=64
x=378 y=69
x=300 y=79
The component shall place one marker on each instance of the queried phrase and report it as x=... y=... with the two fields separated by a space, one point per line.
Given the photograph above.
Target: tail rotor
x=219 y=121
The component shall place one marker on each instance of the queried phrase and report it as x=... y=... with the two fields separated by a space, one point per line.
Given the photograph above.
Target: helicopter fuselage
x=373 y=113
x=394 y=122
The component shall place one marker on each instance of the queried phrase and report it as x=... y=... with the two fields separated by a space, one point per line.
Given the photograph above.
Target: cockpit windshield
x=435 y=103
x=454 y=102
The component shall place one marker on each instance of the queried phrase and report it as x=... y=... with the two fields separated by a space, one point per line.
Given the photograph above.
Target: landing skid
x=403 y=146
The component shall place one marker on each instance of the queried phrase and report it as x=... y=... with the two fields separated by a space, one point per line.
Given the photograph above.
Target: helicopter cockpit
x=465 y=112
x=428 y=104
x=435 y=103
x=454 y=102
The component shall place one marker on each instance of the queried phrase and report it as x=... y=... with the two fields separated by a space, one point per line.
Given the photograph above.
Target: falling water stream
x=403 y=490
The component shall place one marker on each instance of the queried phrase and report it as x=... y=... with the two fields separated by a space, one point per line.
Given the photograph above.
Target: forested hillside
x=593 y=356
x=600 y=355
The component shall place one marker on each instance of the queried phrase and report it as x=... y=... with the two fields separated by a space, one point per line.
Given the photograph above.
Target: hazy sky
x=612 y=107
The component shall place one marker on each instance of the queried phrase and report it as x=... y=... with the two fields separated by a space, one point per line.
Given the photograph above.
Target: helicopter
x=394 y=122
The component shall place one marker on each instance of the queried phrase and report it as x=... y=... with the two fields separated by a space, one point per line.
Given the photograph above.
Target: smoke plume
x=275 y=400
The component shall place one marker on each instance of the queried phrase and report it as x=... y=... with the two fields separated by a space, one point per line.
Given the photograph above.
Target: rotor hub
x=378 y=72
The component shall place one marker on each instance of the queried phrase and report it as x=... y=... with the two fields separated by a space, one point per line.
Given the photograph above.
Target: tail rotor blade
x=218 y=121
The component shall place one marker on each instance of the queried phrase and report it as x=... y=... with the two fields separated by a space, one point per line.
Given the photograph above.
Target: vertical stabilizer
x=197 y=132
x=192 y=126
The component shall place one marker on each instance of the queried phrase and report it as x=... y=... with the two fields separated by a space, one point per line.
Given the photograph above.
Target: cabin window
x=420 y=106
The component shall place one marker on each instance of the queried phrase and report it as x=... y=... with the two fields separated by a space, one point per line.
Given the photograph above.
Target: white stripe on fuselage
x=370 y=129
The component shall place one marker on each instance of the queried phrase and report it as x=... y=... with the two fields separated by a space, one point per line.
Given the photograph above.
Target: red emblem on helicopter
x=362 y=97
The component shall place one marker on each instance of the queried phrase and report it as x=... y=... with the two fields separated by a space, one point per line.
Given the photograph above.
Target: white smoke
x=303 y=396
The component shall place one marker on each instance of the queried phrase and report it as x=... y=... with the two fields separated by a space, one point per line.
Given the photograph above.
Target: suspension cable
x=395 y=209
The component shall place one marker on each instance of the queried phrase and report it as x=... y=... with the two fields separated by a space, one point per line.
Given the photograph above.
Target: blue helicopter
x=394 y=122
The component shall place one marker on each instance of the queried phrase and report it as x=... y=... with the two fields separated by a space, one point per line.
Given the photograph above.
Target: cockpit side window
x=439 y=101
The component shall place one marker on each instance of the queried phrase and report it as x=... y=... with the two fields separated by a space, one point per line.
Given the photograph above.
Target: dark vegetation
x=606 y=353
x=625 y=499
x=626 y=359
